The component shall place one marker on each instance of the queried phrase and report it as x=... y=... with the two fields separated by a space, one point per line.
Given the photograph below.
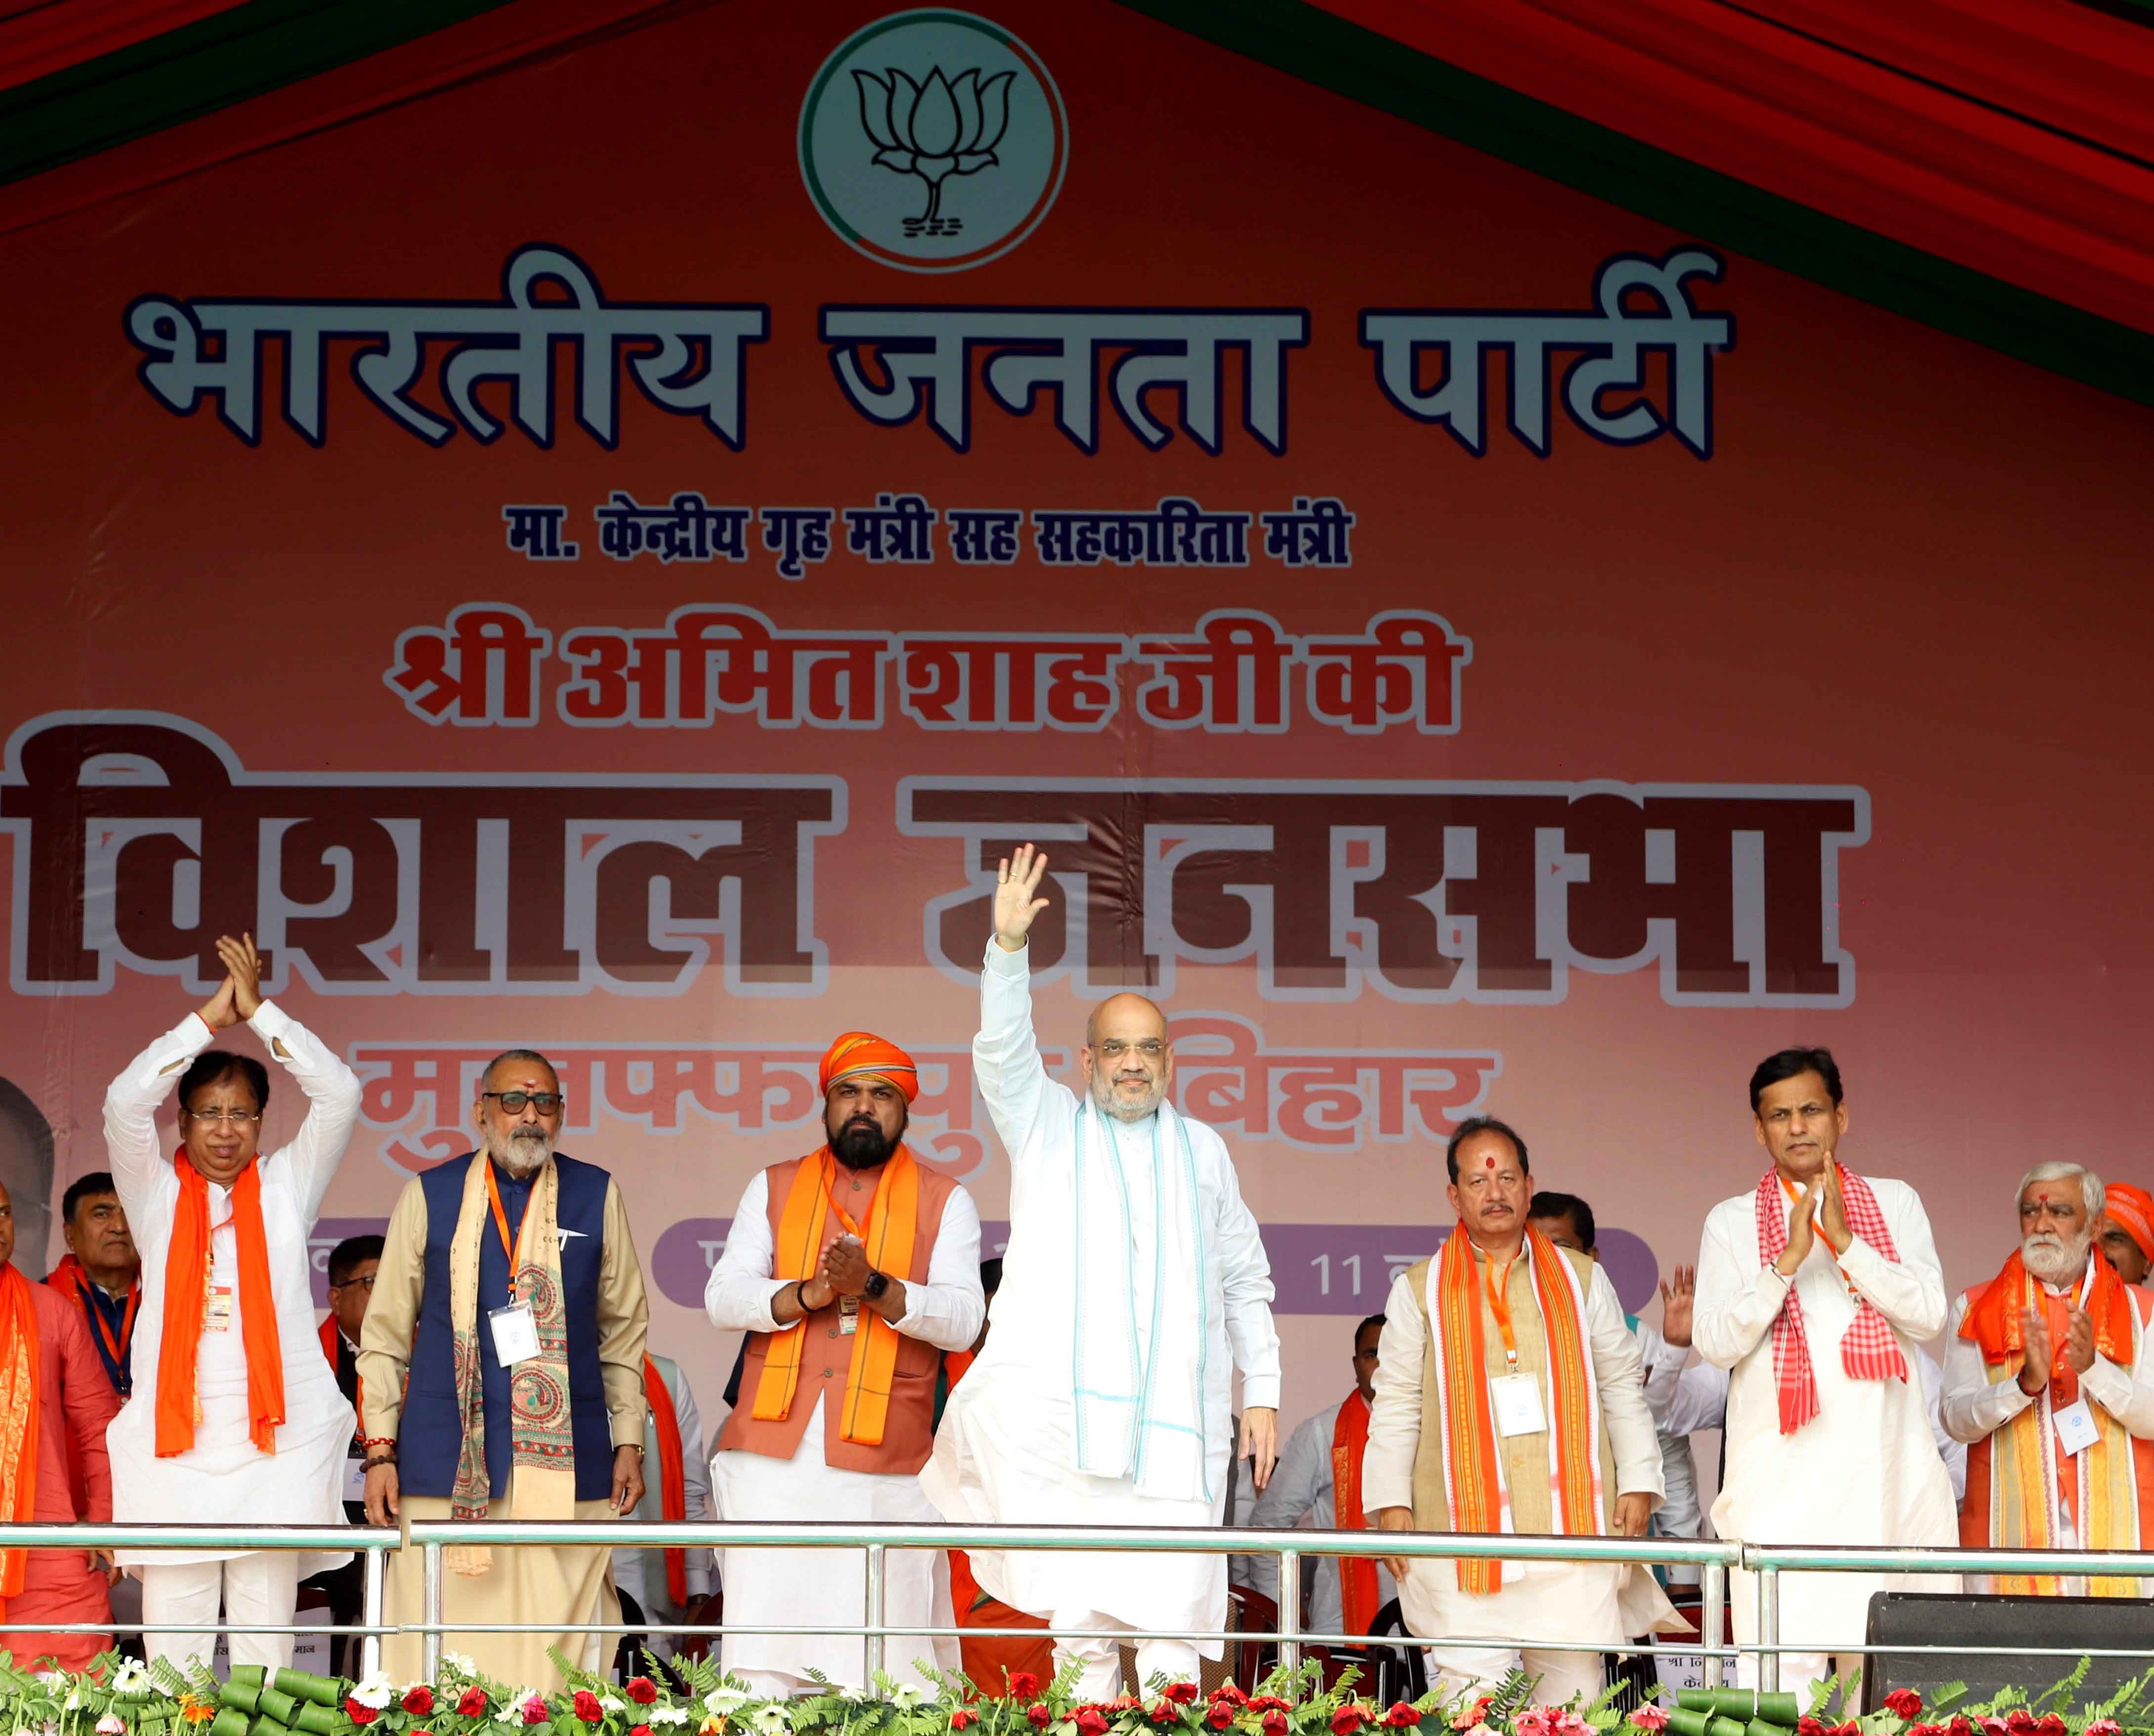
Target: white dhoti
x=1541 y=1602
x=799 y=1588
x=983 y=1473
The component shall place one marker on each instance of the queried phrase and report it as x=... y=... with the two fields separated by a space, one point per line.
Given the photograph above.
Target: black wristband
x=877 y=1282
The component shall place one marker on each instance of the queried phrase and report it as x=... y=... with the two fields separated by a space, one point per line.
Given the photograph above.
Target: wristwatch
x=877 y=1282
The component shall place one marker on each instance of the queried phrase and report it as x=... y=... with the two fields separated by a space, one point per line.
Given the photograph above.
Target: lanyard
x=1499 y=1305
x=116 y=1352
x=2036 y=1303
x=845 y=1217
x=515 y=1252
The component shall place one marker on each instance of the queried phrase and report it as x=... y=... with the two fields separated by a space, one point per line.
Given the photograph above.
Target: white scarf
x=1139 y=1416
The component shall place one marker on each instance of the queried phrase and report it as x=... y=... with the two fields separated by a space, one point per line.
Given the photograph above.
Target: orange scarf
x=1478 y=1501
x=892 y=1217
x=18 y=1421
x=1992 y=1321
x=186 y=1301
x=672 y=1480
x=1358 y=1585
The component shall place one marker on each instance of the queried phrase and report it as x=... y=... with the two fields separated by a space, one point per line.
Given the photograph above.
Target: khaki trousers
x=558 y=1587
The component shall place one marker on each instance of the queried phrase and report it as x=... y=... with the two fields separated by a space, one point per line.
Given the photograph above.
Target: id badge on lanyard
x=2076 y=1430
x=1515 y=1399
x=514 y=1327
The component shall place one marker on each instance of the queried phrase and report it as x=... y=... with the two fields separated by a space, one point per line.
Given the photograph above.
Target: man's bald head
x=1126 y=1060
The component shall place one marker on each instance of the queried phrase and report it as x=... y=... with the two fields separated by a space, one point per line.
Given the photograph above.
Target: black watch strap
x=877 y=1282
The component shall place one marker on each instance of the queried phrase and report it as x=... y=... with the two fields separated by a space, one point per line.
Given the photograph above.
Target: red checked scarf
x=1868 y=1352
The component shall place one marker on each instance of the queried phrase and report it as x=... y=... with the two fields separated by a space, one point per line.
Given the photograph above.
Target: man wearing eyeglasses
x=234 y=1418
x=1134 y=1284
x=510 y=1268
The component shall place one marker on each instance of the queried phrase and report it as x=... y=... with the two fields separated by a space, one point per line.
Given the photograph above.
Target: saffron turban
x=859 y=1052
x=2132 y=1211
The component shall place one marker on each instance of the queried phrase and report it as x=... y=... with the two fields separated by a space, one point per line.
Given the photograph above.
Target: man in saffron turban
x=2127 y=1230
x=851 y=1269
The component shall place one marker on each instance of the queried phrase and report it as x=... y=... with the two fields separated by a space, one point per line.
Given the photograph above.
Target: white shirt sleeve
x=1952 y=1452
x=1700 y=1400
x=947 y=1309
x=1970 y=1406
x=741 y=1289
x=1632 y=1439
x=132 y=1102
x=333 y=1094
x=1663 y=1367
x=1300 y=1481
x=1738 y=1295
x=1395 y=1416
x=1006 y=1061
x=1910 y=1291
x=695 y=1478
x=1245 y=1280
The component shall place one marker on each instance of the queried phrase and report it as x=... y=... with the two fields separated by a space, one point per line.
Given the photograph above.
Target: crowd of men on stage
x=486 y=1359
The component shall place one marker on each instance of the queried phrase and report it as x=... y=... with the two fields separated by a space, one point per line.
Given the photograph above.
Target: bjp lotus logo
x=942 y=128
x=949 y=108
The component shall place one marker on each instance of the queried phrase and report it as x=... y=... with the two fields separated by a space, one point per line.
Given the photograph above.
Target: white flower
x=111 y=1724
x=667 y=1715
x=608 y=1703
x=511 y=1713
x=52 y=1678
x=724 y=1701
x=457 y=1661
x=377 y=1690
x=133 y=1674
x=907 y=1694
x=73 y=1700
x=772 y=1718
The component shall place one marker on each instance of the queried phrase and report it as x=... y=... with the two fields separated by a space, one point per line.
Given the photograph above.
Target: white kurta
x=1302 y=1487
x=792 y=1588
x=223 y=1478
x=640 y=1573
x=1974 y=1409
x=1678 y=1515
x=1539 y=1600
x=1866 y=1468
x=1006 y=1452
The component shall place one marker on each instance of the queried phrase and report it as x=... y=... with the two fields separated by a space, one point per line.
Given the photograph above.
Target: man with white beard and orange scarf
x=2049 y=1378
x=234 y=1417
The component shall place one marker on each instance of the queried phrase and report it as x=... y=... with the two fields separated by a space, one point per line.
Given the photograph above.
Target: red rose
x=2050 y=1725
x=1274 y=1724
x=1220 y=1716
x=1905 y=1702
x=1847 y=1727
x=419 y=1701
x=1269 y=1703
x=1230 y=1693
x=641 y=1730
x=1348 y=1718
x=1926 y=1730
x=1959 y=1727
x=359 y=1714
x=1023 y=1685
x=1040 y=1716
x=471 y=1702
x=587 y=1706
x=1090 y=1721
x=1808 y=1727
x=535 y=1712
x=2019 y=1721
x=1401 y=1715
x=960 y=1717
x=641 y=1689
x=1163 y=1712
x=1182 y=1693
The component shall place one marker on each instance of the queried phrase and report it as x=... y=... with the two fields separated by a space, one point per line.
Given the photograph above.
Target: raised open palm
x=1017 y=895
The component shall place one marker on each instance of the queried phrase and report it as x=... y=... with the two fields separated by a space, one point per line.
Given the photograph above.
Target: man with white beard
x=2051 y=1382
x=1101 y=1397
x=508 y=1270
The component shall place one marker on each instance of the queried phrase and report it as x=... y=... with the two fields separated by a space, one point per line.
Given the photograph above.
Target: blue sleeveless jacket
x=430 y=1434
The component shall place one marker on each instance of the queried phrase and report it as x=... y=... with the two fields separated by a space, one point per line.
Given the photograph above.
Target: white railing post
x=370 y=1648
x=1289 y=1610
x=431 y=1587
x=872 y=1647
x=1768 y=1630
x=1712 y=1625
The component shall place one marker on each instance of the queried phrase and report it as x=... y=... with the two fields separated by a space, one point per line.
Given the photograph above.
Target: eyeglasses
x=237 y=1117
x=546 y=1103
x=364 y=1283
x=1113 y=1049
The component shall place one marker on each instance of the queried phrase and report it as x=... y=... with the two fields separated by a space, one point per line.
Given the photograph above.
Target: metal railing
x=1715 y=1559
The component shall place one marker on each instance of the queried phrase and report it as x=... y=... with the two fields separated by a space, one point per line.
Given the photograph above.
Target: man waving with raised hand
x=1134 y=1284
